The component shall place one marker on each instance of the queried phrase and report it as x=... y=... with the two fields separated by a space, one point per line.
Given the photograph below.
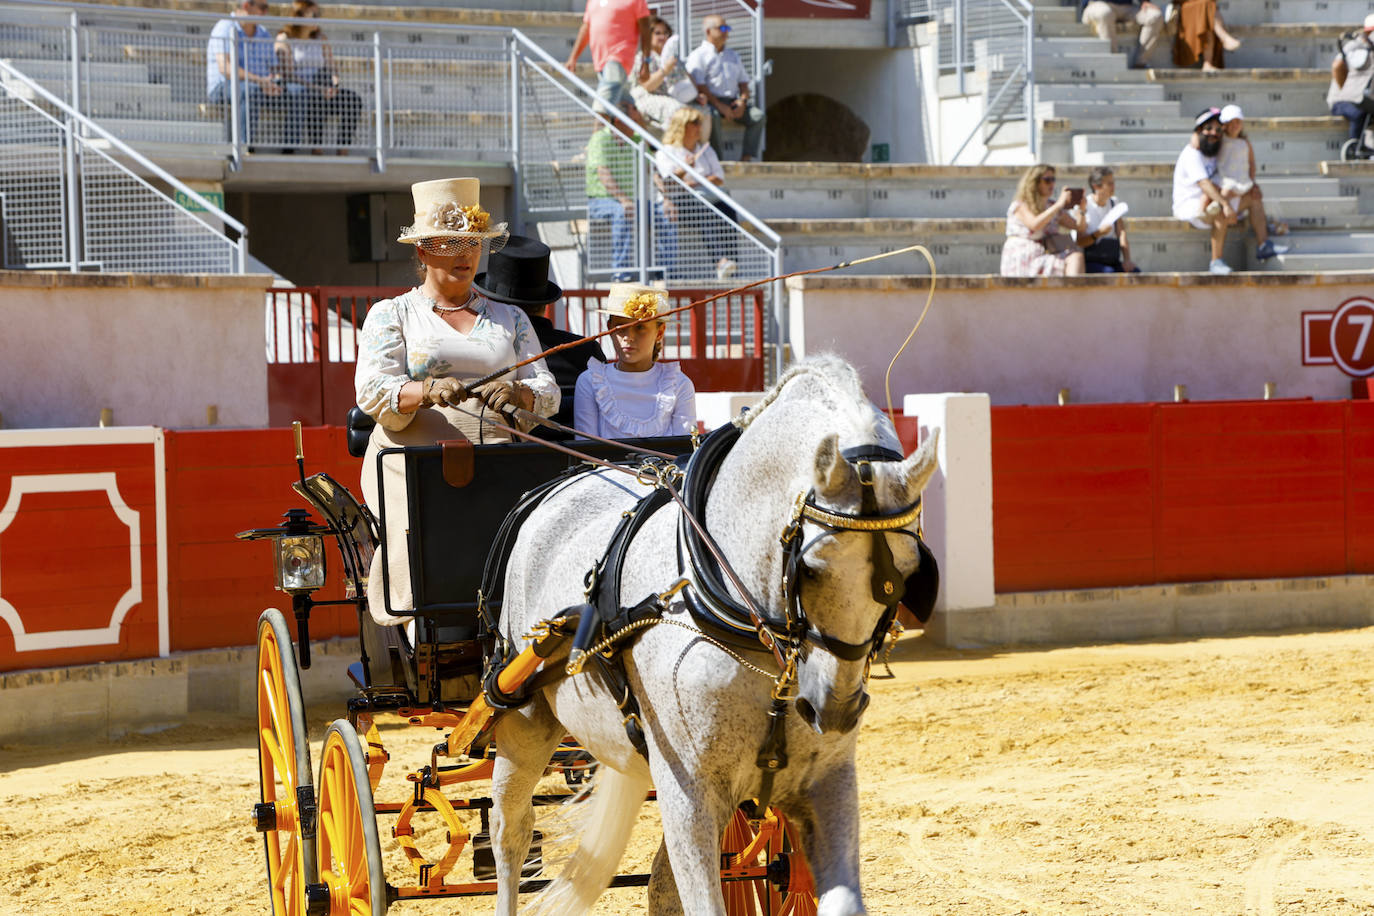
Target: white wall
x=1109 y=340
x=156 y=349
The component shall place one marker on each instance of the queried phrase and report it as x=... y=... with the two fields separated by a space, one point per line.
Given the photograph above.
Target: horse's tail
x=614 y=808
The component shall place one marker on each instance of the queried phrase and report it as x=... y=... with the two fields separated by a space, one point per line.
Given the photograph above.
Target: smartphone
x=1075 y=196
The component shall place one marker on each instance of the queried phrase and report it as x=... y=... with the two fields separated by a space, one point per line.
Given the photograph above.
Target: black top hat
x=518 y=274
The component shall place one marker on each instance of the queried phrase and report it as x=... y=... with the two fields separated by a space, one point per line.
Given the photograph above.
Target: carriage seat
x=358 y=430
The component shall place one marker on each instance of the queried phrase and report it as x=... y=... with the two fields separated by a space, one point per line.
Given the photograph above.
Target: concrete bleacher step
x=1117 y=114
x=49 y=70
x=1104 y=67
x=1271 y=45
x=1280 y=144
x=975 y=245
x=1087 y=92
x=1272 y=93
x=1342 y=14
x=139 y=130
x=1317 y=262
x=514 y=13
x=854 y=190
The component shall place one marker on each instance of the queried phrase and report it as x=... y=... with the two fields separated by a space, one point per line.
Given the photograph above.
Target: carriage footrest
x=484 y=860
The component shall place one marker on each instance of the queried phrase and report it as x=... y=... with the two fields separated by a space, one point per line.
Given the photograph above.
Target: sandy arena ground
x=1225 y=776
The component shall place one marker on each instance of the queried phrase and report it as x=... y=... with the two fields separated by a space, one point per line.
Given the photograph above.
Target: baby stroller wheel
x=1350 y=149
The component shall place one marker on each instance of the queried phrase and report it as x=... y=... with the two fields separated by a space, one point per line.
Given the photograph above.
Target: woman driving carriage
x=417 y=352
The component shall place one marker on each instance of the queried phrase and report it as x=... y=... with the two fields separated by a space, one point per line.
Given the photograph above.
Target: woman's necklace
x=444 y=309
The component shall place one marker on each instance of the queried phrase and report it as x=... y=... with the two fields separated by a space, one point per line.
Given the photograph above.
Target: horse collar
x=710 y=602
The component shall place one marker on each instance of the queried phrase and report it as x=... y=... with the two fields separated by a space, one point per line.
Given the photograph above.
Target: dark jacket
x=566 y=366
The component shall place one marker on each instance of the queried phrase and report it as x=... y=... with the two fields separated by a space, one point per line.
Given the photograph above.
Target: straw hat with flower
x=631 y=302
x=449 y=208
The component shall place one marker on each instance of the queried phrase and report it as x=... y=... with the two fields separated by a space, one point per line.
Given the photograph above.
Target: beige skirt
x=430 y=425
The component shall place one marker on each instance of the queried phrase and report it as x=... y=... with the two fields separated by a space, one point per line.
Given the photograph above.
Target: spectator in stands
x=240 y=40
x=1202 y=37
x=1106 y=249
x=637 y=396
x=1198 y=199
x=610 y=174
x=683 y=146
x=518 y=275
x=616 y=30
x=1035 y=247
x=306 y=60
x=1351 y=94
x=665 y=86
x=1103 y=15
x=723 y=86
x=416 y=353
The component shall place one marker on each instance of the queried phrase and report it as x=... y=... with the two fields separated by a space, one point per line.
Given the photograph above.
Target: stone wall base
x=1186 y=610
x=104 y=702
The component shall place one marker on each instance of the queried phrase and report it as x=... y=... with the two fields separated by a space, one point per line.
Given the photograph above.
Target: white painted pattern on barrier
x=21 y=485
x=102 y=481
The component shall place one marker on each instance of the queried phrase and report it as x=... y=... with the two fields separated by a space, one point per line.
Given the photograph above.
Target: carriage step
x=484 y=860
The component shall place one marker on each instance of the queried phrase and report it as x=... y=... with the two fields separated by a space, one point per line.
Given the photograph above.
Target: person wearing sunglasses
x=723 y=86
x=419 y=352
x=239 y=43
x=1035 y=246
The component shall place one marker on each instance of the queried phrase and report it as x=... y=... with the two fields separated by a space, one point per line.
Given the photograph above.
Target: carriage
x=321 y=826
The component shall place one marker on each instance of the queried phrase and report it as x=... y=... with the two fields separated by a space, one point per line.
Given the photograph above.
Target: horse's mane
x=827 y=368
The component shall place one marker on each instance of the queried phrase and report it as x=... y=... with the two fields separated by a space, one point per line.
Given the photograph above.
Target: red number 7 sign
x=1344 y=338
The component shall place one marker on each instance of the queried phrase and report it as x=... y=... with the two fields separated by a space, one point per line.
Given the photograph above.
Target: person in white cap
x=1198 y=199
x=1352 y=75
x=1236 y=164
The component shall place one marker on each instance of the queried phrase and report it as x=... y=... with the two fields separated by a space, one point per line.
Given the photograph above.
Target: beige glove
x=442 y=392
x=498 y=394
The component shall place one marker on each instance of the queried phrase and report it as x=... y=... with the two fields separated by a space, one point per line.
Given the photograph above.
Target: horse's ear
x=920 y=464
x=833 y=473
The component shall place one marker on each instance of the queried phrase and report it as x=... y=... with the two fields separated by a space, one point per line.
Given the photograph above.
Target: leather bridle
x=711 y=603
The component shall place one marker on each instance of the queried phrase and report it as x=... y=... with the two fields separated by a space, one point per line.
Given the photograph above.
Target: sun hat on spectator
x=1369 y=23
x=1207 y=114
x=449 y=208
x=1231 y=113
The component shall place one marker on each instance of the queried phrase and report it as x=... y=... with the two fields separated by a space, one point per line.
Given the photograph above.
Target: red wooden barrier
x=1103 y=495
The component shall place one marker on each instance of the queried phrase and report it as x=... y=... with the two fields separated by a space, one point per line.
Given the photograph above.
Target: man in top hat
x=518 y=275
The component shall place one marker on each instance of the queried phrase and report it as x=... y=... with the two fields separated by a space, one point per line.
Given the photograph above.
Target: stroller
x=1360 y=146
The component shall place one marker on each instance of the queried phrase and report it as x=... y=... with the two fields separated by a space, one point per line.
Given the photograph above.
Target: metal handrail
x=653 y=142
x=124 y=149
x=1023 y=10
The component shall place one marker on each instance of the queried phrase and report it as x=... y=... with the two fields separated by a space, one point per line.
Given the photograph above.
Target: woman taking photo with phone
x=1035 y=247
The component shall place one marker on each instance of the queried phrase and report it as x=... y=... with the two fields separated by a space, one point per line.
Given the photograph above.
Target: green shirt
x=608 y=148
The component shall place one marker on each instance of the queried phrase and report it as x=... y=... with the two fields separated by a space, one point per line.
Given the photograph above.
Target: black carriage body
x=451 y=527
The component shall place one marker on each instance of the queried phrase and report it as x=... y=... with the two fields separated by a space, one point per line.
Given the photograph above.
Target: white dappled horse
x=704 y=714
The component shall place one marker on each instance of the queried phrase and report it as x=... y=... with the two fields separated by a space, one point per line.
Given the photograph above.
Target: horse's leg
x=663 y=896
x=692 y=827
x=525 y=741
x=829 y=828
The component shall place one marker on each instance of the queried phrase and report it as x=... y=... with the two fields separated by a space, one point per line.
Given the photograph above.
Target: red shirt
x=613 y=30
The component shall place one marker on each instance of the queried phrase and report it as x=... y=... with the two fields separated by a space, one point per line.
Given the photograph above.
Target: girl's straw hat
x=633 y=301
x=448 y=208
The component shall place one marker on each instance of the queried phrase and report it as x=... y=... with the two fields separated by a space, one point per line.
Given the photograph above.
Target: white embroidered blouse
x=631 y=405
x=404 y=339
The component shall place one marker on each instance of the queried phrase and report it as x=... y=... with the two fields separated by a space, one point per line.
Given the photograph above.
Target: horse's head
x=855 y=546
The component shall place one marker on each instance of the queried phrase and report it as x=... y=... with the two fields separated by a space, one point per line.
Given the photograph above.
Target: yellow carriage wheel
x=769 y=842
x=286 y=815
x=350 y=855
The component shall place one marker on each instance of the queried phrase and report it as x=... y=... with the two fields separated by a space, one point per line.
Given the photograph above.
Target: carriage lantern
x=298 y=555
